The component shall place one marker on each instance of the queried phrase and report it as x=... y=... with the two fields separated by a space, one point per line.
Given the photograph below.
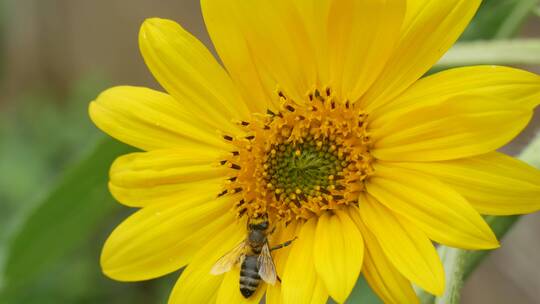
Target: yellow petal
x=196 y=284
x=338 y=253
x=438 y=210
x=385 y=280
x=225 y=25
x=362 y=35
x=300 y=282
x=457 y=127
x=316 y=17
x=264 y=44
x=189 y=72
x=229 y=291
x=163 y=238
x=493 y=183
x=142 y=196
x=298 y=45
x=517 y=87
x=429 y=30
x=141 y=179
x=406 y=246
x=150 y=120
x=273 y=292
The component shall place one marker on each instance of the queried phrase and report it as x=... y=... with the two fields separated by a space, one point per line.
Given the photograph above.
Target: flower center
x=308 y=157
x=303 y=168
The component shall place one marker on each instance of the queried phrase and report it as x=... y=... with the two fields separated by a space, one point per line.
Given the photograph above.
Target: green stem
x=454 y=261
x=504 y=52
x=458 y=263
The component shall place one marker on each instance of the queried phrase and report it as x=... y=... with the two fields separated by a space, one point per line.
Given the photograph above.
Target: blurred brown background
x=55 y=43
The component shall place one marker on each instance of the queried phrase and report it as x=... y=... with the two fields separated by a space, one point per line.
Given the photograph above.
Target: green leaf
x=362 y=293
x=499 y=19
x=515 y=18
x=64 y=219
x=504 y=52
x=537 y=11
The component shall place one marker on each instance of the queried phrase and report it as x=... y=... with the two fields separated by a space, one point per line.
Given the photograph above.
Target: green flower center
x=304 y=168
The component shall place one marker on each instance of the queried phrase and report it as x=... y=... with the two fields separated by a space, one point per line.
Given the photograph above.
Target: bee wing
x=231 y=258
x=267 y=269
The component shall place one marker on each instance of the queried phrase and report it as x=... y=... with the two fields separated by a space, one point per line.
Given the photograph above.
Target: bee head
x=258 y=223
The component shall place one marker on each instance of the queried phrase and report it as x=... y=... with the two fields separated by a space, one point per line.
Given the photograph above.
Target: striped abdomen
x=249 y=276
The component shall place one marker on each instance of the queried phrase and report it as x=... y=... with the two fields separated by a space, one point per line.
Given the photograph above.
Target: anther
x=227 y=137
x=222 y=193
x=290 y=108
x=235 y=166
x=325 y=191
x=340 y=187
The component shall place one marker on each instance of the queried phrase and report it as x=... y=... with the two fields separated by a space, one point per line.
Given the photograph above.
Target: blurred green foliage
x=52 y=224
x=499 y=19
x=55 y=209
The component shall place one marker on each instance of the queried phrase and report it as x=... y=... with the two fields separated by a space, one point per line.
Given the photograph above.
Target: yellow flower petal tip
x=493 y=243
x=322 y=137
x=154 y=26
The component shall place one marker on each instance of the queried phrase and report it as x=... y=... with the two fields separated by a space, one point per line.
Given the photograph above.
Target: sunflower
x=320 y=121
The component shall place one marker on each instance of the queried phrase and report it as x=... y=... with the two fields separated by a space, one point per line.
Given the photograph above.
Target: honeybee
x=254 y=256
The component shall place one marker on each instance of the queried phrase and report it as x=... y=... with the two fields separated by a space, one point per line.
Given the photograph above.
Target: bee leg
x=287 y=243
x=278 y=279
